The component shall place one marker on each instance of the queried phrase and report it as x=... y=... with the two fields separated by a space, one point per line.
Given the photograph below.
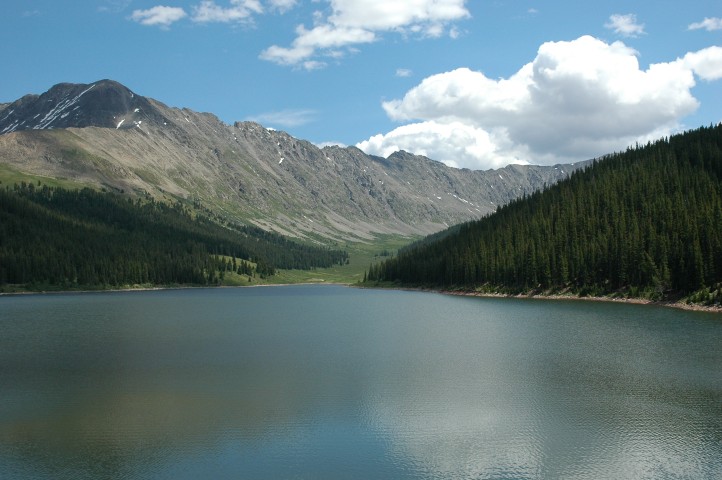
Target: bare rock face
x=103 y=134
x=101 y=104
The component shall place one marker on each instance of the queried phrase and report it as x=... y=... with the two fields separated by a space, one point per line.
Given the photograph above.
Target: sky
x=475 y=84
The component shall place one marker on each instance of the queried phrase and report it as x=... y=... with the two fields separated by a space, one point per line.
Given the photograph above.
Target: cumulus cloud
x=457 y=144
x=706 y=63
x=383 y=15
x=625 y=25
x=709 y=24
x=576 y=100
x=160 y=15
x=355 y=22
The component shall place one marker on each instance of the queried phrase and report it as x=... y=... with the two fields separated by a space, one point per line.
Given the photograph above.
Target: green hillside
x=52 y=237
x=643 y=223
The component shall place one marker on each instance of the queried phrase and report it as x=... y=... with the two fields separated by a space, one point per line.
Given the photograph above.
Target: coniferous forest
x=53 y=237
x=643 y=223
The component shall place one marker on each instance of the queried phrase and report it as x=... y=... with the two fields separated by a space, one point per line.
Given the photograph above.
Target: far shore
x=462 y=293
x=637 y=301
x=131 y=288
x=557 y=297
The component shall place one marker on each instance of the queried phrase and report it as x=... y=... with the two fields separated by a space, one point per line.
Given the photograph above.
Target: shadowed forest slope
x=646 y=222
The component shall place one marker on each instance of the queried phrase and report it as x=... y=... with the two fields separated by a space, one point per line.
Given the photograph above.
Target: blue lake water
x=315 y=382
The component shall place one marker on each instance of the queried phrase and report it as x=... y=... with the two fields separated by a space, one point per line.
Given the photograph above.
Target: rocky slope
x=103 y=134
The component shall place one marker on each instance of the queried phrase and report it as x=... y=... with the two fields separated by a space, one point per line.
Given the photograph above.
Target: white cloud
x=574 y=101
x=403 y=72
x=285 y=118
x=282 y=5
x=709 y=24
x=331 y=144
x=158 y=16
x=207 y=11
x=706 y=63
x=455 y=144
x=383 y=15
x=625 y=25
x=324 y=37
x=354 y=22
x=238 y=11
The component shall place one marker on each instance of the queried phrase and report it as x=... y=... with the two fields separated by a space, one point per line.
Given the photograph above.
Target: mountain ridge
x=105 y=135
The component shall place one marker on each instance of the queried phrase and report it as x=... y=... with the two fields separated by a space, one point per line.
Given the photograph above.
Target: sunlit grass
x=10 y=176
x=361 y=255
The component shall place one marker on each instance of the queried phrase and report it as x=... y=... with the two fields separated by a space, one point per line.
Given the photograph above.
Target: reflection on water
x=331 y=382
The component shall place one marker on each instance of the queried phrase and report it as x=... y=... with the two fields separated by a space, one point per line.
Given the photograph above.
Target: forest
x=60 y=238
x=646 y=222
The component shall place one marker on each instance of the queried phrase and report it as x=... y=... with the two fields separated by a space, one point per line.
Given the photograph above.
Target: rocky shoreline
x=639 y=301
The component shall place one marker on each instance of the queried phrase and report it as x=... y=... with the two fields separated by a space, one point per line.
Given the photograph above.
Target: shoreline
x=557 y=297
x=460 y=293
x=159 y=288
x=553 y=297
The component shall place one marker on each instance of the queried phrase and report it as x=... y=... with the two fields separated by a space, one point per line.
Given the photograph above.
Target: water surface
x=311 y=382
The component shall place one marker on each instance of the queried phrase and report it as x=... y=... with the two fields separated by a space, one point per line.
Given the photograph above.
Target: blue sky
x=473 y=83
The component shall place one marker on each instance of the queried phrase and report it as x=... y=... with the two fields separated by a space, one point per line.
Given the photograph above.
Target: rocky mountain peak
x=104 y=104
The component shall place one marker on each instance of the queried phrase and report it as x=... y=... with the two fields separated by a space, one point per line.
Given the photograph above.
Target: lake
x=328 y=382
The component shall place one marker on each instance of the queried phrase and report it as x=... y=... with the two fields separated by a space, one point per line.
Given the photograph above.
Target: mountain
x=104 y=135
x=69 y=105
x=646 y=222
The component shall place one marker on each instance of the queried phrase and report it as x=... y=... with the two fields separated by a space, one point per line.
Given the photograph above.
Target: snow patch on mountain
x=56 y=112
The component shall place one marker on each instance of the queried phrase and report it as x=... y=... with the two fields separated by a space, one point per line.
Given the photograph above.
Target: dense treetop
x=68 y=238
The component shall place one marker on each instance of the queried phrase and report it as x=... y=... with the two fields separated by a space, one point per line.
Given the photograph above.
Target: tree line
x=70 y=238
x=645 y=222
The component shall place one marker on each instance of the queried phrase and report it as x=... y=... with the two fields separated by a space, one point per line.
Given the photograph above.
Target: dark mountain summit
x=105 y=103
